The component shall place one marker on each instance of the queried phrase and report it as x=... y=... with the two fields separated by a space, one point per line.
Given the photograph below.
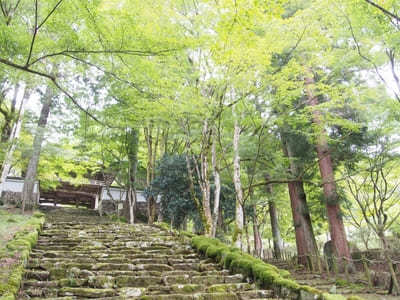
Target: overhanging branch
x=385 y=11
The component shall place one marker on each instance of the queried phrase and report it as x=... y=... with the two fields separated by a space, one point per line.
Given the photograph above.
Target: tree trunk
x=203 y=179
x=307 y=249
x=239 y=214
x=6 y=166
x=132 y=146
x=192 y=190
x=27 y=193
x=336 y=226
x=394 y=289
x=257 y=236
x=276 y=233
x=9 y=117
x=217 y=183
x=151 y=158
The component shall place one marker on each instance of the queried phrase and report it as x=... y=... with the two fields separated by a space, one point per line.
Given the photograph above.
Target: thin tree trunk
x=132 y=146
x=31 y=173
x=203 y=179
x=13 y=138
x=217 y=183
x=307 y=249
x=276 y=233
x=336 y=226
x=239 y=214
x=256 y=231
x=192 y=190
x=395 y=289
x=9 y=118
x=151 y=158
x=246 y=227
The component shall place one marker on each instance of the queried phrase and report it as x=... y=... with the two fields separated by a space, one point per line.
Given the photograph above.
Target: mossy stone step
x=78 y=258
x=86 y=292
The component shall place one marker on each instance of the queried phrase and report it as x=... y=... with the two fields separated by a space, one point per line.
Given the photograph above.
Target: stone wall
x=13 y=198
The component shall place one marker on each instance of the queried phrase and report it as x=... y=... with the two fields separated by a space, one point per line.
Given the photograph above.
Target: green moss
x=327 y=296
x=341 y=282
x=188 y=234
x=186 y=288
x=19 y=247
x=354 y=298
x=7 y=296
x=243 y=266
x=310 y=289
x=284 y=273
x=38 y=214
x=264 y=274
x=13 y=282
x=287 y=283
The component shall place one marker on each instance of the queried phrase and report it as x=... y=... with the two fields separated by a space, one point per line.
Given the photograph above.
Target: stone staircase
x=81 y=256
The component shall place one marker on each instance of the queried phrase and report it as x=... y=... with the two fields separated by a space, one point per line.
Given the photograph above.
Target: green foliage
x=172 y=184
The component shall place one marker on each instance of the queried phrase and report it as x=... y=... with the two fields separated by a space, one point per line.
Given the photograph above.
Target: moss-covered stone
x=72 y=282
x=136 y=281
x=101 y=282
x=215 y=296
x=186 y=288
x=326 y=296
x=231 y=287
x=58 y=273
x=86 y=292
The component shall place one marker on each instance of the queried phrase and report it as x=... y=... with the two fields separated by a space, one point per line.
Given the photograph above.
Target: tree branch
x=49 y=14
x=107 y=51
x=385 y=11
x=35 y=30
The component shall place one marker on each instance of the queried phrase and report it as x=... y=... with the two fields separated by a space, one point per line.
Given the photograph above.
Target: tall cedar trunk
x=217 y=183
x=276 y=233
x=307 y=249
x=132 y=146
x=27 y=193
x=336 y=226
x=9 y=117
x=5 y=169
x=239 y=214
x=258 y=247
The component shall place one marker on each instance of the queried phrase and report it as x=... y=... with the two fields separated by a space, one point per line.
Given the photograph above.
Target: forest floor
x=356 y=285
x=11 y=221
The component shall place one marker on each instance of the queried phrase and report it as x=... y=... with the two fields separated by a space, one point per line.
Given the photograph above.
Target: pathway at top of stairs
x=82 y=256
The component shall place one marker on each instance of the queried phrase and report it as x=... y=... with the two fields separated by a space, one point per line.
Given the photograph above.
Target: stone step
x=77 y=258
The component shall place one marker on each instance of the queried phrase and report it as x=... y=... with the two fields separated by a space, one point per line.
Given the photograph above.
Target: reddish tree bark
x=307 y=250
x=336 y=226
